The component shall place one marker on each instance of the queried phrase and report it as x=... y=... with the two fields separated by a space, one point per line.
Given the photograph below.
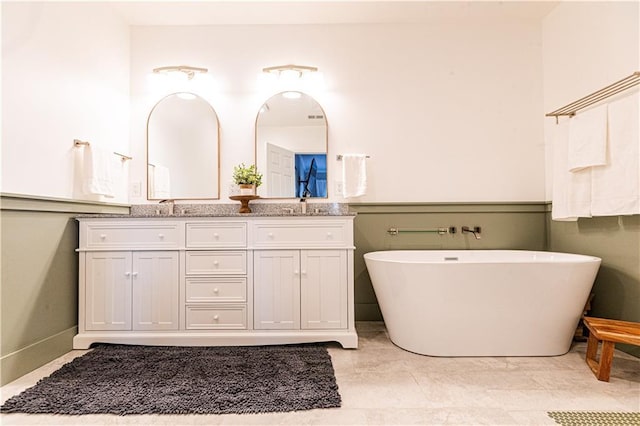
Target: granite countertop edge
x=212 y=215
x=156 y=211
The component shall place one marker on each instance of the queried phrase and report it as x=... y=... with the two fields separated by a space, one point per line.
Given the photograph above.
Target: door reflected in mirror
x=183 y=149
x=291 y=147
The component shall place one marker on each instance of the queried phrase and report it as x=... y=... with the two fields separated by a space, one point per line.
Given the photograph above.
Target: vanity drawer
x=216 y=262
x=132 y=235
x=213 y=235
x=216 y=317
x=316 y=234
x=216 y=289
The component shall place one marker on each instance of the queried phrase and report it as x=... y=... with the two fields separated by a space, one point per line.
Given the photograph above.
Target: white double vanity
x=216 y=280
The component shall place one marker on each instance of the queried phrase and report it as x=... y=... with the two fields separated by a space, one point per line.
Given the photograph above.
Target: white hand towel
x=98 y=176
x=354 y=175
x=616 y=186
x=161 y=182
x=560 y=206
x=588 y=139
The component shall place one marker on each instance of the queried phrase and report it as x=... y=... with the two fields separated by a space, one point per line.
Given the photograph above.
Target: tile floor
x=382 y=384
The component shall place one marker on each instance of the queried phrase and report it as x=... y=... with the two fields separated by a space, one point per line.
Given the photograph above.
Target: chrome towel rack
x=340 y=156
x=597 y=96
x=78 y=142
x=440 y=231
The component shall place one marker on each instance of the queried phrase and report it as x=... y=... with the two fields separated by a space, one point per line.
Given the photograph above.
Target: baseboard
x=27 y=359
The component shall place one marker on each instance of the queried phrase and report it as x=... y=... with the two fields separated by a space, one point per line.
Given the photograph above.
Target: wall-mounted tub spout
x=475 y=231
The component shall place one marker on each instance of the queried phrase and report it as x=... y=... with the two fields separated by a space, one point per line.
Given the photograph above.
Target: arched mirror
x=291 y=147
x=183 y=149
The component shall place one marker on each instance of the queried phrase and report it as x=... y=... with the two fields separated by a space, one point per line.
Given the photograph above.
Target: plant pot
x=247 y=189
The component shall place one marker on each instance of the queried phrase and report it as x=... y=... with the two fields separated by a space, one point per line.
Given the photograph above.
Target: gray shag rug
x=122 y=380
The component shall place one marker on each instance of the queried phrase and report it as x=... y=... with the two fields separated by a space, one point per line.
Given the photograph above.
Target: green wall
x=503 y=226
x=39 y=272
x=616 y=240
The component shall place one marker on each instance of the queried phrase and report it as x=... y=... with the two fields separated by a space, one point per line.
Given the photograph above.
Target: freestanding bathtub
x=481 y=302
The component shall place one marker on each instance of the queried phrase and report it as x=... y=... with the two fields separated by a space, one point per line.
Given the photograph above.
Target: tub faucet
x=171 y=204
x=475 y=231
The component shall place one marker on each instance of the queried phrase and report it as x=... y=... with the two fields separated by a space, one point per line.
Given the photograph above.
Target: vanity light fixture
x=291 y=77
x=296 y=71
x=186 y=69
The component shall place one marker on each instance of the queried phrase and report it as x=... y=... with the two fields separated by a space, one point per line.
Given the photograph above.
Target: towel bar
x=440 y=231
x=78 y=142
x=597 y=96
x=339 y=157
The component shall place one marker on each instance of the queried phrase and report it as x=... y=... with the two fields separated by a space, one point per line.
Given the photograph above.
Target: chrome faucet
x=475 y=231
x=171 y=204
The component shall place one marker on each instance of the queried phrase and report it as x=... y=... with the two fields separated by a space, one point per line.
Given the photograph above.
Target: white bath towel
x=588 y=139
x=354 y=175
x=616 y=186
x=579 y=193
x=98 y=173
x=560 y=205
x=161 y=182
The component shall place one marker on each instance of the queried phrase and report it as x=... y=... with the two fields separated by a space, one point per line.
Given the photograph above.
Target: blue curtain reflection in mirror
x=311 y=175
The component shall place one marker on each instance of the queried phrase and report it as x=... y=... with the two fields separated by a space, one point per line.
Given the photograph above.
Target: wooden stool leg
x=592 y=347
x=606 y=356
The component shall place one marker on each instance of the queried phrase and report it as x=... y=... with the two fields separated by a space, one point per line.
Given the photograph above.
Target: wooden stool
x=609 y=332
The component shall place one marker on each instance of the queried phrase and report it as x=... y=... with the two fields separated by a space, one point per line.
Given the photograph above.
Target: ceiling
x=244 y=12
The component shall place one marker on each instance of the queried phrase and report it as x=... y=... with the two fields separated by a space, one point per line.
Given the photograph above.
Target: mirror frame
x=326 y=142
x=217 y=147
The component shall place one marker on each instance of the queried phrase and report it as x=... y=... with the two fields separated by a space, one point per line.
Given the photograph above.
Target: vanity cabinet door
x=155 y=290
x=132 y=291
x=108 y=291
x=277 y=289
x=300 y=289
x=323 y=289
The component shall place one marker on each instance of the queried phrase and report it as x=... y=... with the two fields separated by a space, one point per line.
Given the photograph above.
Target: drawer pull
x=216 y=317
x=127 y=274
x=215 y=290
x=215 y=263
x=161 y=236
x=270 y=235
x=103 y=236
x=296 y=272
x=135 y=274
x=216 y=235
x=304 y=272
x=329 y=235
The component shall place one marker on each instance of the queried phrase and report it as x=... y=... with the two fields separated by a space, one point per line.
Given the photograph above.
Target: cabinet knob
x=270 y=235
x=103 y=236
x=215 y=263
x=216 y=317
x=304 y=272
x=127 y=274
x=296 y=272
x=329 y=235
x=215 y=290
x=135 y=274
x=216 y=235
x=161 y=236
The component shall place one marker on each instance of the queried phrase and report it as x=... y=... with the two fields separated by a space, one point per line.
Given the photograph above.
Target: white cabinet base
x=347 y=339
x=216 y=281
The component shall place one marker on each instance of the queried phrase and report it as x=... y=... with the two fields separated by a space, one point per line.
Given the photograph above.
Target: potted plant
x=247 y=178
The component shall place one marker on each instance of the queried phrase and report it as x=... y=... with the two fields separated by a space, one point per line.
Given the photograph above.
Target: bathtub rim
x=562 y=257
